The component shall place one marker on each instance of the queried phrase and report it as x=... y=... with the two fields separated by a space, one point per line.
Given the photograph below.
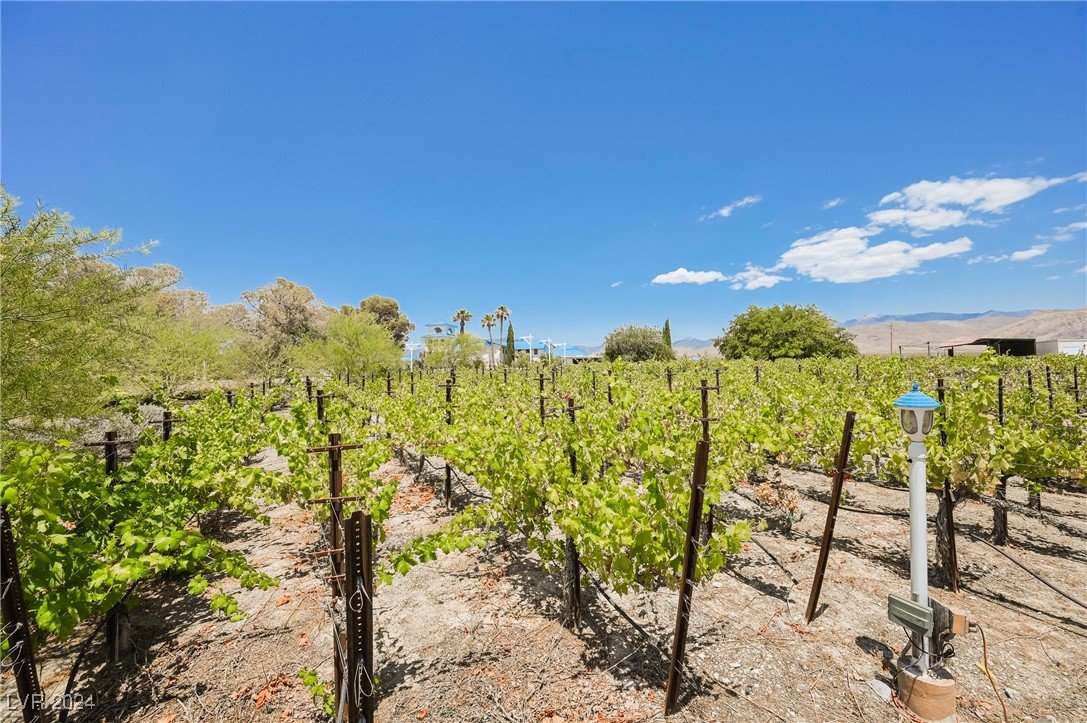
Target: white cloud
x=1081 y=271
x=1033 y=251
x=617 y=284
x=683 y=276
x=924 y=205
x=1052 y=278
x=991 y=195
x=755 y=277
x=924 y=219
x=1064 y=233
x=726 y=211
x=1070 y=208
x=843 y=255
x=832 y=203
x=1023 y=255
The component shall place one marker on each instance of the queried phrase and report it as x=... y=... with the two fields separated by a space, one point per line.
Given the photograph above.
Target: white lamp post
x=547 y=341
x=411 y=350
x=916 y=413
x=528 y=339
x=562 y=345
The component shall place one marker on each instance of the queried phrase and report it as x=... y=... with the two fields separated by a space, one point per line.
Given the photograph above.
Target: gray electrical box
x=911 y=615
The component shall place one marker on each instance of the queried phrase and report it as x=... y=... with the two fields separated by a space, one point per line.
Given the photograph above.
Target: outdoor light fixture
x=916 y=413
x=925 y=687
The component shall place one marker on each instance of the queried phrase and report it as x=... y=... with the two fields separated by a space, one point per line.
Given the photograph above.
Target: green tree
x=354 y=343
x=461 y=350
x=501 y=313
x=786 y=331
x=462 y=317
x=65 y=318
x=511 y=345
x=635 y=343
x=387 y=313
x=284 y=315
x=487 y=321
x=666 y=338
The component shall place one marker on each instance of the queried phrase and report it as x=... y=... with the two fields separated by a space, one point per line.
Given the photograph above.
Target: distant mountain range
x=935 y=316
x=872 y=335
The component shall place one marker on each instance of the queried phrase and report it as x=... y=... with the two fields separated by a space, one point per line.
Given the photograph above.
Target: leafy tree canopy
x=511 y=345
x=387 y=312
x=285 y=314
x=462 y=350
x=64 y=317
x=635 y=343
x=354 y=343
x=787 y=331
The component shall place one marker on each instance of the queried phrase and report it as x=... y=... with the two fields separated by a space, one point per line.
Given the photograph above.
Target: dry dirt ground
x=474 y=636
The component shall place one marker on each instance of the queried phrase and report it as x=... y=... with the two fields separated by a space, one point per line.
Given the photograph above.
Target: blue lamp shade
x=916 y=413
x=916 y=400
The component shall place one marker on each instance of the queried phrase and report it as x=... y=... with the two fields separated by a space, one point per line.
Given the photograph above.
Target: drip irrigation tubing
x=636 y=626
x=777 y=561
x=1026 y=569
x=1030 y=572
x=459 y=478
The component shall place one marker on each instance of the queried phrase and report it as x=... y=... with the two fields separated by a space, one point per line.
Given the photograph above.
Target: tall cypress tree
x=510 y=348
x=667 y=337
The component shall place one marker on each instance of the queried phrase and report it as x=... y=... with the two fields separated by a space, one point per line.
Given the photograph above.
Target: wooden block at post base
x=931 y=696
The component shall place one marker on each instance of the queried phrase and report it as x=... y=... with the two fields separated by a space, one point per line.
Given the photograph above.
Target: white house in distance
x=535 y=351
x=538 y=350
x=440 y=330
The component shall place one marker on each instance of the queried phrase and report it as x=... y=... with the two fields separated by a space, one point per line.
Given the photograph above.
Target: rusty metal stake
x=571 y=573
x=361 y=695
x=690 y=562
x=117 y=623
x=832 y=515
x=16 y=627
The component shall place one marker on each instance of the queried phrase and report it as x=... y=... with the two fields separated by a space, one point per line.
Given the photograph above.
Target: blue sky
x=568 y=160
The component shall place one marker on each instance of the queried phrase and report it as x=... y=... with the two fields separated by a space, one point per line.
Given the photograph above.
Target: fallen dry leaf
x=304 y=641
x=283 y=600
x=168 y=718
x=421 y=714
x=273 y=686
x=244 y=690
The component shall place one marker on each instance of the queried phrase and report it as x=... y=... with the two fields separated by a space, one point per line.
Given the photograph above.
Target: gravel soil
x=474 y=636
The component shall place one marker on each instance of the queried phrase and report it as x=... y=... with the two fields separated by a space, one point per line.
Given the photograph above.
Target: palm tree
x=501 y=313
x=463 y=316
x=488 y=322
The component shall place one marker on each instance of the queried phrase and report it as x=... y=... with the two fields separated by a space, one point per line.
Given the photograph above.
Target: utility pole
x=411 y=350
